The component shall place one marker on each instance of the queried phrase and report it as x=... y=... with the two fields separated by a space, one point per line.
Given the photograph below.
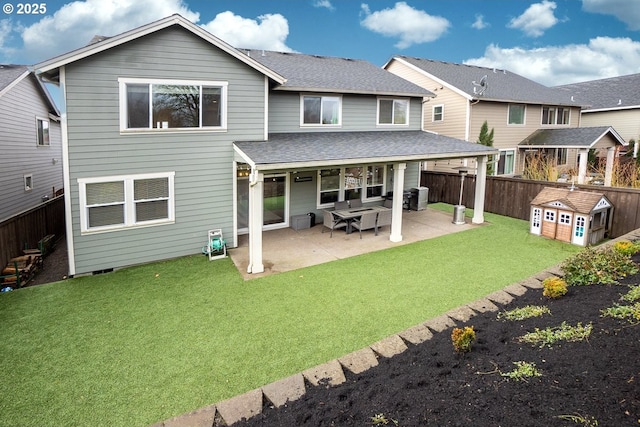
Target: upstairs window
x=155 y=104
x=555 y=116
x=321 y=110
x=393 y=112
x=42 y=131
x=438 y=113
x=516 y=114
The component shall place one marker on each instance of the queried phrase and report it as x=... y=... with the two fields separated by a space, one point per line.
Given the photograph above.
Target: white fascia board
x=14 y=83
x=601 y=110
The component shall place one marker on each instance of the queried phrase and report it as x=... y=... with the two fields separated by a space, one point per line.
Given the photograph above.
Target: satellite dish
x=480 y=87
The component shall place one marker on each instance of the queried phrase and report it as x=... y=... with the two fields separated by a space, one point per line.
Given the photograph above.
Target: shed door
x=549 y=223
x=564 y=228
x=536 y=220
x=580 y=231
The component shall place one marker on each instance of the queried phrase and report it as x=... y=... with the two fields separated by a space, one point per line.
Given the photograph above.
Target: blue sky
x=552 y=42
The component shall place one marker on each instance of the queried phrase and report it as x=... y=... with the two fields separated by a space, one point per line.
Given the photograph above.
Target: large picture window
x=393 y=112
x=156 y=104
x=516 y=114
x=112 y=203
x=321 y=110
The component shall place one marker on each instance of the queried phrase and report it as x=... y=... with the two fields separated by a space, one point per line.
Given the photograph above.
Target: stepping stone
x=483 y=305
x=359 y=361
x=500 y=297
x=285 y=390
x=440 y=323
x=203 y=417
x=330 y=371
x=417 y=334
x=516 y=289
x=243 y=406
x=390 y=346
x=461 y=314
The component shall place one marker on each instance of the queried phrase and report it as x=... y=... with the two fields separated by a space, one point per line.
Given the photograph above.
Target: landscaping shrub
x=554 y=287
x=462 y=338
x=626 y=247
x=597 y=266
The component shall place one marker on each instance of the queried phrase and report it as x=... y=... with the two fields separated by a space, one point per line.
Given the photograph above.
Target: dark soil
x=596 y=381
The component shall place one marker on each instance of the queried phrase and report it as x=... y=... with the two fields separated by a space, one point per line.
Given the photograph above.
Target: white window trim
x=27 y=179
x=342 y=188
x=320 y=125
x=393 y=113
x=123 y=81
x=433 y=113
x=502 y=152
x=38 y=120
x=129 y=214
x=524 y=116
x=556 y=114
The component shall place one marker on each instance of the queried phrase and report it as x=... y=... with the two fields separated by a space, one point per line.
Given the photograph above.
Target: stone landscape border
x=289 y=389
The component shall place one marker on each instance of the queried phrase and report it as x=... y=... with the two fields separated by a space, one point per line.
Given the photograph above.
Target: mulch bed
x=597 y=381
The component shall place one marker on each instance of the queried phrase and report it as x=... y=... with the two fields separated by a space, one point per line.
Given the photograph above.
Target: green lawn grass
x=143 y=344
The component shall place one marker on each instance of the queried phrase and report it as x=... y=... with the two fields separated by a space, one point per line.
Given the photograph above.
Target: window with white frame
x=353 y=182
x=28 y=182
x=516 y=114
x=393 y=111
x=320 y=110
x=166 y=104
x=555 y=115
x=111 y=203
x=329 y=186
x=42 y=131
x=375 y=181
x=437 y=113
x=350 y=183
x=506 y=162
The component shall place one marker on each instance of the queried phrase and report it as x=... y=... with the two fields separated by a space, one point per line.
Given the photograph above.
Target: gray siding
x=359 y=113
x=202 y=161
x=21 y=155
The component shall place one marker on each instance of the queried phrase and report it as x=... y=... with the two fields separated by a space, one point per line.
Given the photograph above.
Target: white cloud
x=75 y=23
x=268 y=32
x=626 y=11
x=479 y=23
x=324 y=3
x=556 y=65
x=6 y=30
x=536 y=19
x=411 y=25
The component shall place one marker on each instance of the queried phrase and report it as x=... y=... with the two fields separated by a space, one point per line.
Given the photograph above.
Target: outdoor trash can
x=312 y=219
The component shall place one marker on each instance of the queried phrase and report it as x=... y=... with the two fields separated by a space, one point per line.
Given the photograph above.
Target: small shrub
x=597 y=266
x=462 y=338
x=626 y=247
x=522 y=371
x=550 y=336
x=525 y=312
x=554 y=287
x=633 y=295
x=623 y=312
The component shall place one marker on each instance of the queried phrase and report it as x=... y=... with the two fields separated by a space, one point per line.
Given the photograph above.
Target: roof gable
x=11 y=75
x=50 y=67
x=577 y=201
x=499 y=85
x=315 y=73
x=586 y=137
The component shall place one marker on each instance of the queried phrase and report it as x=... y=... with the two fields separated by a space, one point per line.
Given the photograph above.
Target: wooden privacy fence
x=25 y=229
x=512 y=197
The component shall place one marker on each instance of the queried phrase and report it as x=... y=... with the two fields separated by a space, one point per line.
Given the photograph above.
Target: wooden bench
x=20 y=270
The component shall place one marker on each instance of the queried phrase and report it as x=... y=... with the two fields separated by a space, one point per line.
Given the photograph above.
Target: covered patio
x=287 y=249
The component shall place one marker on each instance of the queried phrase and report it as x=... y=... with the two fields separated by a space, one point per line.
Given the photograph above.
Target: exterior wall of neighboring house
x=625 y=122
x=23 y=161
x=200 y=160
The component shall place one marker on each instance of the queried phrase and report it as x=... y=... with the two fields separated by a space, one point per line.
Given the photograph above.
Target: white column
x=608 y=174
x=256 y=194
x=583 y=155
x=398 y=189
x=481 y=184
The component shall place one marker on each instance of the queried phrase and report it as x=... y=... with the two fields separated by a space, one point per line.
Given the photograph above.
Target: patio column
x=256 y=194
x=398 y=189
x=481 y=185
x=583 y=156
x=608 y=173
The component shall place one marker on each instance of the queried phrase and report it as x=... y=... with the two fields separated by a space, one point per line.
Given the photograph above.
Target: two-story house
x=513 y=106
x=30 y=138
x=169 y=132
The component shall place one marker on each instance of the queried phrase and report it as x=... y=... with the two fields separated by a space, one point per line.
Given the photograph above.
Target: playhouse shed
x=579 y=217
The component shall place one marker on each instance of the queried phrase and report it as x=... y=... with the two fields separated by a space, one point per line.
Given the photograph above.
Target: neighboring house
x=31 y=161
x=170 y=132
x=611 y=102
x=514 y=106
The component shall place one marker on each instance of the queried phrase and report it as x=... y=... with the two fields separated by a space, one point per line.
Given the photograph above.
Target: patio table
x=352 y=213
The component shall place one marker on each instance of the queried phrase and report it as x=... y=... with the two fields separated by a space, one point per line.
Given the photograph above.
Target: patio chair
x=332 y=222
x=355 y=203
x=384 y=218
x=341 y=205
x=366 y=221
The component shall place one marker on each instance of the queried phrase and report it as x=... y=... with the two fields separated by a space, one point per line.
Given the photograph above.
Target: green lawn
x=143 y=344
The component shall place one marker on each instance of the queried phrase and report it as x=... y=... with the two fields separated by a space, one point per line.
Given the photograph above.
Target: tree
x=486 y=138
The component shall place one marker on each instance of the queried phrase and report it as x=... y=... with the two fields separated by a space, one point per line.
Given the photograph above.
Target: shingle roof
x=9 y=73
x=332 y=74
x=501 y=85
x=344 y=147
x=569 y=137
x=579 y=201
x=612 y=93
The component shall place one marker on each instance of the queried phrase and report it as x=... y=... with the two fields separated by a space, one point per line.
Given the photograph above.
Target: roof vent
x=619 y=101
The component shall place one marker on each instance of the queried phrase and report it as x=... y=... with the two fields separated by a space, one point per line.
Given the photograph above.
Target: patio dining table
x=352 y=213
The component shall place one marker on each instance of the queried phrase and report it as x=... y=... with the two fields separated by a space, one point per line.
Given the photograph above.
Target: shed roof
x=614 y=93
x=332 y=74
x=501 y=85
x=283 y=150
x=585 y=137
x=578 y=201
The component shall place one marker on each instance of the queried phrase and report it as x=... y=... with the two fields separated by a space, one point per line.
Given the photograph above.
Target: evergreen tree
x=486 y=139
